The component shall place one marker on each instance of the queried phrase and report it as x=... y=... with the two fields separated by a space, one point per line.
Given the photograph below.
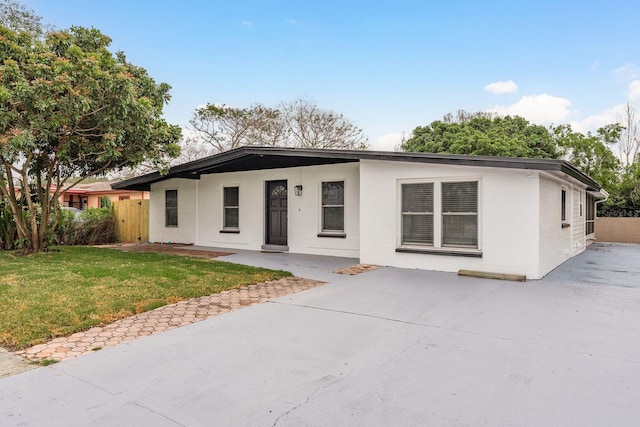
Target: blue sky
x=388 y=66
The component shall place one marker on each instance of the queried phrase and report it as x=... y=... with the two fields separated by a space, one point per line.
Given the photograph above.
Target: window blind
x=231 y=207
x=417 y=213
x=460 y=214
x=333 y=206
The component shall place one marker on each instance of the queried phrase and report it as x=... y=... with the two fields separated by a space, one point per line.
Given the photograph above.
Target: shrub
x=94 y=226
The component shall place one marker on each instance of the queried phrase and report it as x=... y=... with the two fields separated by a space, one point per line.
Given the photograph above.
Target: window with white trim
x=439 y=214
x=591 y=214
x=417 y=214
x=460 y=214
x=171 y=208
x=231 y=208
x=333 y=207
x=580 y=192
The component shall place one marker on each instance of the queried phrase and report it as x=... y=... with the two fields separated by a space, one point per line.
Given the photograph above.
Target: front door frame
x=276 y=242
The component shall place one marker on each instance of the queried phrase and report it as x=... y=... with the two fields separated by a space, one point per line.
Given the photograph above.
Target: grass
x=57 y=293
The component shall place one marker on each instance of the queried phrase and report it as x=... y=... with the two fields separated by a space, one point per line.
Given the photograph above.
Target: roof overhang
x=257 y=158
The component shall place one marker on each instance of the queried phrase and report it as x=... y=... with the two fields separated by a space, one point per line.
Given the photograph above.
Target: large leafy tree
x=17 y=17
x=591 y=153
x=480 y=134
x=70 y=108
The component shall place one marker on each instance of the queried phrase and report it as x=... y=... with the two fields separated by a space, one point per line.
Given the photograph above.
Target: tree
x=591 y=152
x=479 y=134
x=629 y=136
x=16 y=17
x=299 y=123
x=463 y=116
x=70 y=108
x=313 y=127
x=224 y=128
x=628 y=191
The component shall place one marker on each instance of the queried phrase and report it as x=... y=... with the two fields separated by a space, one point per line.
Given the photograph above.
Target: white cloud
x=634 y=91
x=292 y=21
x=626 y=72
x=247 y=24
x=541 y=109
x=595 y=121
x=387 y=142
x=502 y=87
x=610 y=115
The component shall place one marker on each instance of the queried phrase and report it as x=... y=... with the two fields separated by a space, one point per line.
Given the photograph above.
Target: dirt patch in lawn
x=174 y=248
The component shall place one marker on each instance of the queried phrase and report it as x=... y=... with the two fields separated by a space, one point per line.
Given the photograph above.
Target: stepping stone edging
x=165 y=318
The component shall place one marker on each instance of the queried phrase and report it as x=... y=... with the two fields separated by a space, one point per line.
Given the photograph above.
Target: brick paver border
x=356 y=269
x=164 y=318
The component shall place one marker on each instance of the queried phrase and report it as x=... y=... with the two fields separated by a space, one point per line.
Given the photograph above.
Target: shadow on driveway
x=603 y=263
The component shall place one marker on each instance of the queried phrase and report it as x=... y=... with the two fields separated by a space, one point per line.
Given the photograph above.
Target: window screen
x=563 y=203
x=333 y=206
x=460 y=214
x=171 y=208
x=231 y=207
x=417 y=214
x=591 y=214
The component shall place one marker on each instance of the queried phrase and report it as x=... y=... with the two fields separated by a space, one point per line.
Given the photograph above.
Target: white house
x=410 y=210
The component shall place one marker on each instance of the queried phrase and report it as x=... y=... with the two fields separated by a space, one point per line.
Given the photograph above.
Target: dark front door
x=276 y=213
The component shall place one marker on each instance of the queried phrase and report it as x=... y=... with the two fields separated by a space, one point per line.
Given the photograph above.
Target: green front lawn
x=61 y=292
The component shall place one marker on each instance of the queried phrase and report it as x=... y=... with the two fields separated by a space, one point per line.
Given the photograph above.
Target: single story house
x=409 y=210
x=84 y=196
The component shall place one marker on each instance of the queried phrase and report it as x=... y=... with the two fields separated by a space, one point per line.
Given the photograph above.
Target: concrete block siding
x=200 y=212
x=519 y=226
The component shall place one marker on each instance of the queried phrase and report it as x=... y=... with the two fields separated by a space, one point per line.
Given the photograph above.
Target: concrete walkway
x=11 y=364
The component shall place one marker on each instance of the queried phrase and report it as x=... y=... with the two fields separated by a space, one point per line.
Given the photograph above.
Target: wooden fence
x=615 y=229
x=132 y=220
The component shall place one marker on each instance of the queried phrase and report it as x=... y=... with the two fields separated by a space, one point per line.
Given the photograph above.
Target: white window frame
x=224 y=208
x=564 y=208
x=432 y=213
x=332 y=233
x=581 y=203
x=166 y=225
x=437 y=216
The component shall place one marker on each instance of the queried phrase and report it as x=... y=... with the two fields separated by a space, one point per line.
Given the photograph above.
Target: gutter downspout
x=606 y=197
x=595 y=212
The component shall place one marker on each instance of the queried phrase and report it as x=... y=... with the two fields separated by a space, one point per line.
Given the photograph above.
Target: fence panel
x=132 y=220
x=616 y=229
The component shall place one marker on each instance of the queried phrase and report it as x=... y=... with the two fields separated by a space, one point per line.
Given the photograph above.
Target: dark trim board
x=440 y=252
x=258 y=158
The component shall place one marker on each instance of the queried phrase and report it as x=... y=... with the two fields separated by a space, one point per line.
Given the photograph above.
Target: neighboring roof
x=256 y=158
x=98 y=188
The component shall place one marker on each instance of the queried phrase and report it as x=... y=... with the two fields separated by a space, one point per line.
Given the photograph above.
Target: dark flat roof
x=256 y=158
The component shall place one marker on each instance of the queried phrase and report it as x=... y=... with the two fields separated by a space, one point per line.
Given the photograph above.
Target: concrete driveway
x=386 y=347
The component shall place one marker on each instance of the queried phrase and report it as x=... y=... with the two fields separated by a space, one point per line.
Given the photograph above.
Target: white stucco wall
x=508 y=217
x=519 y=223
x=203 y=226
x=558 y=244
x=578 y=238
x=186 y=231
